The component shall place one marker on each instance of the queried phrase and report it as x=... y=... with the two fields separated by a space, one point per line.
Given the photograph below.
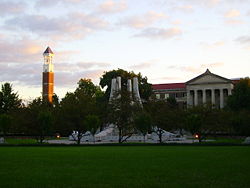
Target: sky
x=168 y=41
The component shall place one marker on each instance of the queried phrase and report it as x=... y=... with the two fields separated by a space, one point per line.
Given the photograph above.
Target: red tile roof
x=169 y=86
x=235 y=81
x=178 y=85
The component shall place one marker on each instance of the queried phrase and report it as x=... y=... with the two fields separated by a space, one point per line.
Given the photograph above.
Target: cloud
x=111 y=6
x=231 y=16
x=21 y=73
x=176 y=22
x=10 y=8
x=64 y=79
x=234 y=22
x=75 y=25
x=144 y=65
x=65 y=74
x=185 y=8
x=213 y=45
x=144 y=20
x=205 y=3
x=23 y=50
x=243 y=39
x=159 y=33
x=168 y=78
x=212 y=65
x=49 y=3
x=196 y=69
x=69 y=67
x=232 y=13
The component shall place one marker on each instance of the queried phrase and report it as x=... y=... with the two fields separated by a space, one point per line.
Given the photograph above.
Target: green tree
x=38 y=119
x=75 y=107
x=197 y=120
x=240 y=98
x=45 y=120
x=92 y=123
x=240 y=123
x=121 y=112
x=145 y=88
x=143 y=123
x=8 y=99
x=161 y=113
x=194 y=124
x=5 y=122
x=87 y=87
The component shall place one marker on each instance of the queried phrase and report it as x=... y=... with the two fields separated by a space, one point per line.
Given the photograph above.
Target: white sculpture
x=133 y=88
x=115 y=87
x=136 y=93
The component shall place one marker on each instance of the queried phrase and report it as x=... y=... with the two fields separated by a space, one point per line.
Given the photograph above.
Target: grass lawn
x=125 y=166
x=20 y=141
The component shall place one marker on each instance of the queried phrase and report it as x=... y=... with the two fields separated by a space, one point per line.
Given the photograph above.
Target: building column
x=204 y=99
x=213 y=96
x=221 y=99
x=195 y=97
x=229 y=92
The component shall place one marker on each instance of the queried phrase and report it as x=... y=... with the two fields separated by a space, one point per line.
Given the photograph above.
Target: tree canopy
x=9 y=100
x=145 y=88
x=240 y=98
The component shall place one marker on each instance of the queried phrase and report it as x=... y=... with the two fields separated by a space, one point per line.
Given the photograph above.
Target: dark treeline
x=88 y=109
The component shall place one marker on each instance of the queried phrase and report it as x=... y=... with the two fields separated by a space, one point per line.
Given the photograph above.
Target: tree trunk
x=78 y=138
x=120 y=136
x=41 y=139
x=160 y=136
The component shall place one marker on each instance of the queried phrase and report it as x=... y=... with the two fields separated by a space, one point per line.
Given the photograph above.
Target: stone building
x=207 y=88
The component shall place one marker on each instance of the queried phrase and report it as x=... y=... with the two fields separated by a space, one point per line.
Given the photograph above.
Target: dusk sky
x=166 y=40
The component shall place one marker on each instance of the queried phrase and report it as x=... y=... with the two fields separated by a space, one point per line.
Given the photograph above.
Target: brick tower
x=48 y=75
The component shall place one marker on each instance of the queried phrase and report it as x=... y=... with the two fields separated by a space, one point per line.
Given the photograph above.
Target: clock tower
x=48 y=75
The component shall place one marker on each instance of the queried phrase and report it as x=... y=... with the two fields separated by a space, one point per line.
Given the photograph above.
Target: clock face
x=46 y=68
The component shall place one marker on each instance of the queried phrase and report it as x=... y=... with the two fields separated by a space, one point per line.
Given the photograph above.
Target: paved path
x=58 y=141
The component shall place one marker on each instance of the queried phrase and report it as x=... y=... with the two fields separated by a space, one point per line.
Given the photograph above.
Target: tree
x=5 y=122
x=161 y=113
x=38 y=119
x=8 y=99
x=193 y=124
x=120 y=113
x=145 y=88
x=92 y=123
x=45 y=120
x=199 y=120
x=87 y=87
x=240 y=123
x=143 y=123
x=240 y=98
x=75 y=107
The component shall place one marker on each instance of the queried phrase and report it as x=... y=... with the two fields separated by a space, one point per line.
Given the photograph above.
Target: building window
x=166 y=95
x=157 y=96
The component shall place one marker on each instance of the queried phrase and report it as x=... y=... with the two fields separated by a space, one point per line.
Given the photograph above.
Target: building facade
x=48 y=75
x=207 y=88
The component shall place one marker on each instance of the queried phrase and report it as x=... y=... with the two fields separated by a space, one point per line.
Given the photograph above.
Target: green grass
x=125 y=166
x=20 y=141
x=226 y=140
